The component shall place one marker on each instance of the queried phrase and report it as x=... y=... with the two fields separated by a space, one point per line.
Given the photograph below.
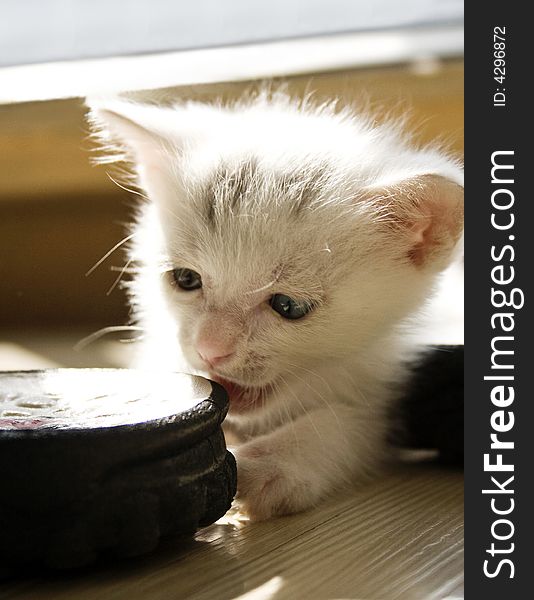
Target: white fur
x=380 y=221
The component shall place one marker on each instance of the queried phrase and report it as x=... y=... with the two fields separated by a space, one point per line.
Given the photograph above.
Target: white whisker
x=136 y=192
x=104 y=331
x=119 y=277
x=264 y=287
x=110 y=252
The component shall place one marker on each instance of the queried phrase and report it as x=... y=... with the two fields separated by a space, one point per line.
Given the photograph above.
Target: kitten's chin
x=243 y=398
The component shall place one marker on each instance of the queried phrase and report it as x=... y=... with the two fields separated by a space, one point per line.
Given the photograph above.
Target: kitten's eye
x=289 y=308
x=186 y=279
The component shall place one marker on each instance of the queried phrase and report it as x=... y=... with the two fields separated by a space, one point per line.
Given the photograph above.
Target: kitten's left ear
x=426 y=213
x=137 y=132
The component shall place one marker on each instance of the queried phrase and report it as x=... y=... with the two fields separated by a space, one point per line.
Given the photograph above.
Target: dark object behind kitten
x=431 y=412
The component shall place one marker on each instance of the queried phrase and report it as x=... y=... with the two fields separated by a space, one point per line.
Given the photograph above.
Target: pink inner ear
x=420 y=236
x=434 y=218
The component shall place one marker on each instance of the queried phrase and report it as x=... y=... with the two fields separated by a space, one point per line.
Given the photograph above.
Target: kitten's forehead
x=249 y=188
x=251 y=227
x=248 y=207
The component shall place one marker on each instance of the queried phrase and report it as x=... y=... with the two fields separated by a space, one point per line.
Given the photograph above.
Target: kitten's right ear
x=140 y=133
x=424 y=216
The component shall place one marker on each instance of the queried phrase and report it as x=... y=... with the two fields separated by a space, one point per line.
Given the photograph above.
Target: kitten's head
x=287 y=235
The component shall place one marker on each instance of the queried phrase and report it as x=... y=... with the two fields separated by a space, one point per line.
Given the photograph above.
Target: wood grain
x=397 y=538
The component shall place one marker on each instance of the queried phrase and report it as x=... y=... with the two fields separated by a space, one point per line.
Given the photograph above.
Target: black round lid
x=95 y=398
x=105 y=462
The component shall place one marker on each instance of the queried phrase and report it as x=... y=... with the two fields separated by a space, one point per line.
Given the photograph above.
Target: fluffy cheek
x=294 y=345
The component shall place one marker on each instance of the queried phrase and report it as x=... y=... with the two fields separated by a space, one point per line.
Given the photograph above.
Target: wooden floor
x=400 y=537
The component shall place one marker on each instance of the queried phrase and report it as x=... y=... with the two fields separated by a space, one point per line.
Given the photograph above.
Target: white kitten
x=281 y=251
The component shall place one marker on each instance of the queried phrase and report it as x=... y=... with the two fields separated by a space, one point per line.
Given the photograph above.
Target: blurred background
x=59 y=215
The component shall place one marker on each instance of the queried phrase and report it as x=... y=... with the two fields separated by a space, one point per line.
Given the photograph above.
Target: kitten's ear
x=426 y=213
x=140 y=133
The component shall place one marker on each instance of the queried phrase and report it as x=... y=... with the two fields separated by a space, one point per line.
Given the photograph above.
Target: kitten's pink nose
x=214 y=353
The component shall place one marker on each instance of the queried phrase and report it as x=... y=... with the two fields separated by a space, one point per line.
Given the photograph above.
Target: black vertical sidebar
x=499 y=341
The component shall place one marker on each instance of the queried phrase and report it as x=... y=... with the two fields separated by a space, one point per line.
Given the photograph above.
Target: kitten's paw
x=265 y=490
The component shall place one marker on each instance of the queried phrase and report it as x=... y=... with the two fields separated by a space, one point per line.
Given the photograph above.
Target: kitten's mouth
x=242 y=398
